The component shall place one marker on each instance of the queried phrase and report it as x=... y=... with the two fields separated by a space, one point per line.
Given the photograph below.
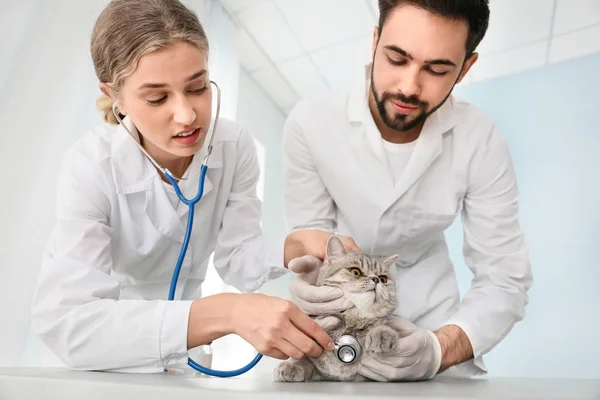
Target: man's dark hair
x=475 y=12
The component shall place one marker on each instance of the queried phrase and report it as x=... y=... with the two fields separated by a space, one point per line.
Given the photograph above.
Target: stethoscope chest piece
x=347 y=349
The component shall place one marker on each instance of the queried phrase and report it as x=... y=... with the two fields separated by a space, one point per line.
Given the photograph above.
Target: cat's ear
x=335 y=247
x=389 y=261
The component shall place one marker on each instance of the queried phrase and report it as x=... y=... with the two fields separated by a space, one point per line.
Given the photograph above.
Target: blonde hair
x=126 y=30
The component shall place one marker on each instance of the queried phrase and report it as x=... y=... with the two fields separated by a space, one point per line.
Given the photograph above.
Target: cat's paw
x=289 y=372
x=382 y=339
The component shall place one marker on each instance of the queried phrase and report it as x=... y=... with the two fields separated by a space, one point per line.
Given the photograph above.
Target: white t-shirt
x=398 y=155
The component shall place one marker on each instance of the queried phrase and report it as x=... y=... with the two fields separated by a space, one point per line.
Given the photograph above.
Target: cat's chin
x=366 y=304
x=362 y=300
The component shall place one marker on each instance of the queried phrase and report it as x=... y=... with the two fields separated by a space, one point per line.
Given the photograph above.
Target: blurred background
x=537 y=76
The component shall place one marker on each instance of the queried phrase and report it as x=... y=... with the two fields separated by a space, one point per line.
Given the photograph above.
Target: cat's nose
x=375 y=279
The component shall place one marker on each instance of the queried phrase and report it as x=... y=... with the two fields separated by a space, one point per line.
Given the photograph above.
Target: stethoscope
x=347 y=348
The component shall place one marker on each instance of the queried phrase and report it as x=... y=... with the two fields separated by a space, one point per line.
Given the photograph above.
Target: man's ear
x=468 y=64
x=375 y=41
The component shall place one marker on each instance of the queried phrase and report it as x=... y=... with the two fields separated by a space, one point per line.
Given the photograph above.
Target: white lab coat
x=101 y=298
x=337 y=179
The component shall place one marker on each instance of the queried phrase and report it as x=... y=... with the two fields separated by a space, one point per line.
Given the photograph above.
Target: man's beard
x=401 y=122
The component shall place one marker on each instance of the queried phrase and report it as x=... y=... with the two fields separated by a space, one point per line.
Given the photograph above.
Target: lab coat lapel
x=428 y=148
x=367 y=146
x=163 y=217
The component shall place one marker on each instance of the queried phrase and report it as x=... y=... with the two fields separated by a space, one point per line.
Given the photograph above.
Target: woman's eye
x=383 y=278
x=157 y=102
x=201 y=90
x=356 y=272
x=164 y=98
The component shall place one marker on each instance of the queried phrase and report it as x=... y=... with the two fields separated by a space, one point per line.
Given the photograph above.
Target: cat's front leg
x=381 y=339
x=295 y=371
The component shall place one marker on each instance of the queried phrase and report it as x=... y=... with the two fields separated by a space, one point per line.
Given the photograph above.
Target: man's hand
x=417 y=356
x=312 y=243
x=420 y=354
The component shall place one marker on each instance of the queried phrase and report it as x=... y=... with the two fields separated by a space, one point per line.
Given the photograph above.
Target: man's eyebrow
x=404 y=53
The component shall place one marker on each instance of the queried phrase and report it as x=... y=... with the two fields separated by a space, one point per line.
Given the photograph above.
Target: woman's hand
x=277 y=328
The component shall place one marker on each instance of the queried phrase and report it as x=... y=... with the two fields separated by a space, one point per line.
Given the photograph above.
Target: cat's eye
x=383 y=279
x=355 y=271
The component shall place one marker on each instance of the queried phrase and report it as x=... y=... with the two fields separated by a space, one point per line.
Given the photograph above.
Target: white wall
x=224 y=63
x=550 y=119
x=264 y=121
x=48 y=100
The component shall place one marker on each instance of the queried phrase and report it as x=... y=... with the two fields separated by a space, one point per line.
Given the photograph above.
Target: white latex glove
x=417 y=357
x=314 y=300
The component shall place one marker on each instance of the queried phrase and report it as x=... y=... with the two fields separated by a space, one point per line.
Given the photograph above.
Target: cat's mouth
x=363 y=288
x=373 y=295
x=368 y=297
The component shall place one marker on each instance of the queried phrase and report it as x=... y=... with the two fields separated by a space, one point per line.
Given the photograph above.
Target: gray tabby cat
x=368 y=284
